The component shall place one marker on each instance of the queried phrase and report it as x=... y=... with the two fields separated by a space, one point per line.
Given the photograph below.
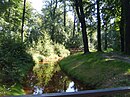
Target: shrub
x=75 y=42
x=15 y=61
x=60 y=50
x=47 y=48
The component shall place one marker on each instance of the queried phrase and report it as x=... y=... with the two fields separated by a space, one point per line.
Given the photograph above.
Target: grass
x=15 y=89
x=96 y=71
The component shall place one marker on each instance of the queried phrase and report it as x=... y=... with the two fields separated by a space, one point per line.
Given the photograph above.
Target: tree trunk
x=74 y=25
x=127 y=33
x=53 y=17
x=98 y=27
x=9 y=14
x=105 y=45
x=23 y=18
x=122 y=26
x=64 y=15
x=81 y=16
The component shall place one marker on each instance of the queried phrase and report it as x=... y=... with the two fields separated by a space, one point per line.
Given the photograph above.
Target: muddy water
x=56 y=82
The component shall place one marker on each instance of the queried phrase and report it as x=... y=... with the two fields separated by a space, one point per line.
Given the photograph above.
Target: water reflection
x=71 y=87
x=57 y=82
x=38 y=90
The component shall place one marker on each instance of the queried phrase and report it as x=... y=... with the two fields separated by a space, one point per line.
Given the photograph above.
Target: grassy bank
x=15 y=89
x=96 y=71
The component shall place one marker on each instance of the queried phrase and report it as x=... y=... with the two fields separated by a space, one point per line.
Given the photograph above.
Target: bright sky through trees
x=37 y=4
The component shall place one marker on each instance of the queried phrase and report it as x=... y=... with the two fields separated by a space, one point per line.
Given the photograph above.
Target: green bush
x=60 y=50
x=75 y=42
x=15 y=62
x=44 y=46
x=47 y=48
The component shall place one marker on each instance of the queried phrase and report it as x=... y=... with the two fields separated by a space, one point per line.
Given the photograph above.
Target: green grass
x=96 y=71
x=15 y=89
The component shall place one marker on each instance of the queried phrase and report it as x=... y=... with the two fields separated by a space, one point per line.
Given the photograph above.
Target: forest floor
x=113 y=56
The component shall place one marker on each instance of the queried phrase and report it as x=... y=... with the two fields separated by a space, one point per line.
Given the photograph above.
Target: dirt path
x=113 y=56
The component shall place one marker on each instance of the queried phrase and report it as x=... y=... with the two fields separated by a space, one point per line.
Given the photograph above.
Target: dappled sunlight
x=97 y=70
x=77 y=65
x=109 y=59
x=127 y=72
x=84 y=38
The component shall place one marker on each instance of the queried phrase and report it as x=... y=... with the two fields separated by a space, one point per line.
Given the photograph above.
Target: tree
x=23 y=19
x=64 y=14
x=98 y=27
x=127 y=28
x=56 y=22
x=81 y=16
x=122 y=26
x=105 y=32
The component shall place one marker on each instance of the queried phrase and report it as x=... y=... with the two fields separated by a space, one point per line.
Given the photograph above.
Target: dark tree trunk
x=9 y=14
x=98 y=27
x=53 y=17
x=81 y=16
x=105 y=41
x=127 y=30
x=78 y=26
x=74 y=26
x=122 y=26
x=23 y=18
x=105 y=47
x=64 y=15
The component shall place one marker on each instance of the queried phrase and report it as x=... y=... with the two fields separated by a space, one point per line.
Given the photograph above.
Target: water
x=51 y=81
x=71 y=88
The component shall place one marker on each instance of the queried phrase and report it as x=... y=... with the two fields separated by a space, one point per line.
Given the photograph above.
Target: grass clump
x=15 y=89
x=97 y=71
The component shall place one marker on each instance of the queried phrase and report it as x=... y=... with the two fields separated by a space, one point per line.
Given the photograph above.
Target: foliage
x=48 y=34
x=112 y=40
x=47 y=48
x=15 y=61
x=60 y=50
x=45 y=45
x=75 y=42
x=53 y=22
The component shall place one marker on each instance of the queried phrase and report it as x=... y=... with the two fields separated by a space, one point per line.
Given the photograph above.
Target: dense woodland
x=96 y=25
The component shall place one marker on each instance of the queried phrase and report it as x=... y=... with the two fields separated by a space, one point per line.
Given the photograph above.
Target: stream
x=49 y=78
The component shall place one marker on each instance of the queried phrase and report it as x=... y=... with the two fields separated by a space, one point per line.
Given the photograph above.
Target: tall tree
x=127 y=29
x=74 y=25
x=64 y=14
x=122 y=26
x=81 y=16
x=23 y=18
x=105 y=32
x=53 y=17
x=54 y=22
x=98 y=27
